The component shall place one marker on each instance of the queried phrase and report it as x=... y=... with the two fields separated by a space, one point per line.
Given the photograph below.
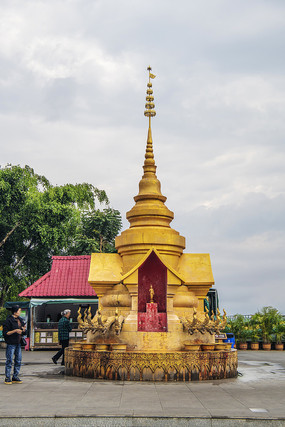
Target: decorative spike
x=79 y=317
x=89 y=315
x=99 y=318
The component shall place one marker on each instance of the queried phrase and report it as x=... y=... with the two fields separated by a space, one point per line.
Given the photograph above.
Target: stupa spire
x=149 y=218
x=149 y=164
x=149 y=184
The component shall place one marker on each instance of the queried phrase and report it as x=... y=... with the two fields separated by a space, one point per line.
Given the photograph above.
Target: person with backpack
x=13 y=330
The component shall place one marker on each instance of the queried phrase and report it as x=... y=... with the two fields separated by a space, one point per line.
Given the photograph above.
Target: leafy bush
x=279 y=332
x=267 y=318
x=239 y=326
x=255 y=332
x=267 y=324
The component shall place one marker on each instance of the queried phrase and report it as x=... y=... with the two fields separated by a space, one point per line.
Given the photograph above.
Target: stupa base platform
x=152 y=366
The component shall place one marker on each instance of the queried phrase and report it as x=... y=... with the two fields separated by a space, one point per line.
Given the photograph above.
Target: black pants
x=64 y=344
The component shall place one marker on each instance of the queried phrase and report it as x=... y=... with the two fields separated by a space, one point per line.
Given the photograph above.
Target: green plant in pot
x=254 y=333
x=239 y=326
x=268 y=317
x=279 y=334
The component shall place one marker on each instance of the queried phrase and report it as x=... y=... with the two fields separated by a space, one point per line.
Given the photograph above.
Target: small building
x=64 y=286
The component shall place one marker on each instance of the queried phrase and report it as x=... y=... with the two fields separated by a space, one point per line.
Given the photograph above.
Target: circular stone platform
x=153 y=366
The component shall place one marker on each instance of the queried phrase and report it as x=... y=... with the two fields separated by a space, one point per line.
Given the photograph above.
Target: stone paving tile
x=139 y=393
x=264 y=400
x=170 y=385
x=188 y=400
x=219 y=399
x=75 y=385
x=181 y=405
x=106 y=395
x=138 y=396
x=144 y=404
x=236 y=385
x=99 y=402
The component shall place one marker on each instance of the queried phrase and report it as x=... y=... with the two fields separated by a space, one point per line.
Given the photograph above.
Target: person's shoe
x=54 y=361
x=8 y=381
x=62 y=364
x=16 y=380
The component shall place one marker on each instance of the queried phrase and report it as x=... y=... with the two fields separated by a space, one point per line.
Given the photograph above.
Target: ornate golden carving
x=211 y=325
x=179 y=366
x=99 y=324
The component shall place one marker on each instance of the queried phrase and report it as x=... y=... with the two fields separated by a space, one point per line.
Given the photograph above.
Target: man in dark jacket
x=64 y=327
x=13 y=329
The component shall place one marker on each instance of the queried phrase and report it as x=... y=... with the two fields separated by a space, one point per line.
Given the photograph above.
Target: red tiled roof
x=68 y=278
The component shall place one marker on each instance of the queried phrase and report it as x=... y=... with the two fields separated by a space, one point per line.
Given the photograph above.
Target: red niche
x=152 y=273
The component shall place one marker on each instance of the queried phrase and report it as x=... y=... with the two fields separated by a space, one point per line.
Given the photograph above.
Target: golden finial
x=149 y=112
x=151 y=291
x=149 y=164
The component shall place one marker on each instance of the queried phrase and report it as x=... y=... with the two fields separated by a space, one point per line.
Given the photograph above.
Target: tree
x=38 y=220
x=96 y=231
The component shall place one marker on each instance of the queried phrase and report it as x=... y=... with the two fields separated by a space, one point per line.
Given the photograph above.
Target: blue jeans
x=11 y=350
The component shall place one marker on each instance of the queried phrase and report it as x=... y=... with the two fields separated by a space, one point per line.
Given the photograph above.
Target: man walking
x=13 y=329
x=64 y=327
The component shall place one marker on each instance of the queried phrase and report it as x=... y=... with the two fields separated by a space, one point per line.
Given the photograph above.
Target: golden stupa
x=151 y=322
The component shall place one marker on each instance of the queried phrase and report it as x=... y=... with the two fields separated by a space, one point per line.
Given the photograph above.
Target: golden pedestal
x=152 y=366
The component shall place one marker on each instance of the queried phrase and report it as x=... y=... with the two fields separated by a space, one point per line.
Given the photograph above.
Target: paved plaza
x=48 y=398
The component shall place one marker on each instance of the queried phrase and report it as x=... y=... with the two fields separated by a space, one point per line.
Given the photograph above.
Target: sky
x=72 y=93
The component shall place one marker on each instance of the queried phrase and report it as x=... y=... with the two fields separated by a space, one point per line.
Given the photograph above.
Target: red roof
x=68 y=278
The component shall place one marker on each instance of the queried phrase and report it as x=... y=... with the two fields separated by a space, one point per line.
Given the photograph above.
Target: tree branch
x=9 y=234
x=23 y=257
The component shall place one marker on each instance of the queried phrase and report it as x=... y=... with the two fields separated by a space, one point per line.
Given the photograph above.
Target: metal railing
x=247 y=316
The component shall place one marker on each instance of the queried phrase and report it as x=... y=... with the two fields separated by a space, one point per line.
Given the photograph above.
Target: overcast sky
x=72 y=93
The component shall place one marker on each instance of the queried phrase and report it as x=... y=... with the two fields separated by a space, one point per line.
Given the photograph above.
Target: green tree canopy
x=38 y=220
x=96 y=231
